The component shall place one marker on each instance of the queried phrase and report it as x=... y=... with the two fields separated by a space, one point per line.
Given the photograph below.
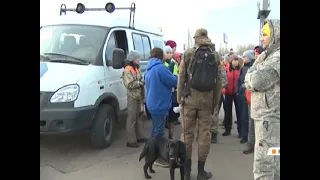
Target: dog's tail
x=144 y=151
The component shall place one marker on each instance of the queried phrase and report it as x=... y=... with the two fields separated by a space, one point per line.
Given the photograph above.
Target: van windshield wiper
x=44 y=58
x=68 y=58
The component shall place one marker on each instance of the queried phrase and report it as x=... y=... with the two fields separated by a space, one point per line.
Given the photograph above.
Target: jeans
x=158 y=125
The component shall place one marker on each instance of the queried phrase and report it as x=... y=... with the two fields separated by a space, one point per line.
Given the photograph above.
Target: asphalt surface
x=71 y=157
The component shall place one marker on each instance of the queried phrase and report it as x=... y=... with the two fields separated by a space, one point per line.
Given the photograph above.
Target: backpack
x=203 y=70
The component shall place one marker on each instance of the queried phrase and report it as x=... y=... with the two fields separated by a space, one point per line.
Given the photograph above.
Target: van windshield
x=79 y=41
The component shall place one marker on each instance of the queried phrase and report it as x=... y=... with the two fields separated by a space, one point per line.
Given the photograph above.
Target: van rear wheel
x=102 y=129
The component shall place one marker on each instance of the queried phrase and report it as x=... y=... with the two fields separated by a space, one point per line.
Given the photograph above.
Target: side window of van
x=146 y=46
x=138 y=45
x=142 y=44
x=158 y=44
x=110 y=46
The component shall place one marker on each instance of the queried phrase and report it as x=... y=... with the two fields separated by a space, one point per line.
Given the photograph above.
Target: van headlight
x=65 y=94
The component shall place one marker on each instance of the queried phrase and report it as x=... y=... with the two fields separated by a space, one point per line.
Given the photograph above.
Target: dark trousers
x=228 y=102
x=244 y=118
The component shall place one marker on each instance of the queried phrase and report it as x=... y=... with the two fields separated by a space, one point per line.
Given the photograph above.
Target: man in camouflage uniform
x=215 y=119
x=263 y=80
x=197 y=107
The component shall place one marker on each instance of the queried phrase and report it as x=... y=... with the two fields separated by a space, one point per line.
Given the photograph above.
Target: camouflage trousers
x=266 y=167
x=193 y=113
x=251 y=133
x=215 y=120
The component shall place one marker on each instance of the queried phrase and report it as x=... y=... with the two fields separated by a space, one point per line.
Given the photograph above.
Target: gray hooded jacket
x=263 y=79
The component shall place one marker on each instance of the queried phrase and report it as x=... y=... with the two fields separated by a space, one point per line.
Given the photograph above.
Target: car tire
x=102 y=129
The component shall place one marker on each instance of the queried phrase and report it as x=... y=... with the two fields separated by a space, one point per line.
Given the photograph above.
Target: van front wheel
x=103 y=125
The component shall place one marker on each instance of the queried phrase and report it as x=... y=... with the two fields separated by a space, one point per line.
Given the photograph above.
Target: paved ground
x=70 y=157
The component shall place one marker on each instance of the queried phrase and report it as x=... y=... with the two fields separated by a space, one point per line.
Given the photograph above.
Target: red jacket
x=248 y=96
x=232 y=76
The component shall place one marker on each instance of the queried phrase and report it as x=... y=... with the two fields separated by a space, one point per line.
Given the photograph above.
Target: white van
x=80 y=87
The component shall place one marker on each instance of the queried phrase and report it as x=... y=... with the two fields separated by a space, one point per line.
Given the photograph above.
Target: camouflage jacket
x=263 y=79
x=194 y=93
x=133 y=81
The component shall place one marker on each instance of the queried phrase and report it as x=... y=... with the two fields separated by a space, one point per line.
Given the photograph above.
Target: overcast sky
x=236 y=18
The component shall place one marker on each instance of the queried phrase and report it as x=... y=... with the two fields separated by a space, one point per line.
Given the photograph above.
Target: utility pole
x=263 y=13
x=190 y=43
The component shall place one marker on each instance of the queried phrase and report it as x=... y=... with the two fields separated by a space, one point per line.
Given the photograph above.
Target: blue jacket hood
x=153 y=62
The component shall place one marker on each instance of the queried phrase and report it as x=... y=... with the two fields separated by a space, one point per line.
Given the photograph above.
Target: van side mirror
x=118 y=58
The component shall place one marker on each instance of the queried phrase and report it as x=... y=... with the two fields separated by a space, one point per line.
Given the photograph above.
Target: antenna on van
x=110 y=8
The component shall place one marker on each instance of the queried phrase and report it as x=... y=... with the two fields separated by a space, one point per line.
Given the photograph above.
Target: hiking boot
x=187 y=169
x=202 y=174
x=214 y=138
x=133 y=145
x=226 y=133
x=244 y=140
x=248 y=150
x=161 y=163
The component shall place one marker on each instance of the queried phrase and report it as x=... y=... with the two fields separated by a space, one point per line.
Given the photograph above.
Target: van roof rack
x=110 y=8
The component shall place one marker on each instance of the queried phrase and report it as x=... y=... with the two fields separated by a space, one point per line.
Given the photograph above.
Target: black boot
x=214 y=138
x=202 y=174
x=187 y=169
x=227 y=133
x=248 y=150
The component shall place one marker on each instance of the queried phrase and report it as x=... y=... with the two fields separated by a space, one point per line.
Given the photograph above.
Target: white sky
x=174 y=16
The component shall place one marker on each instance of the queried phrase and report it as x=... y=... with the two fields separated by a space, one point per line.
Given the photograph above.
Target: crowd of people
x=199 y=83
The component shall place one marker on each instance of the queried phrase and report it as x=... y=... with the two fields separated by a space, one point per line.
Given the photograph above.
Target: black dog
x=172 y=151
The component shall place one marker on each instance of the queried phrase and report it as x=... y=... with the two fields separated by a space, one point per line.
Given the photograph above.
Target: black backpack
x=203 y=70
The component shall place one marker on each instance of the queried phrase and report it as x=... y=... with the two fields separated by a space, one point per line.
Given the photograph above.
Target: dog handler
x=159 y=83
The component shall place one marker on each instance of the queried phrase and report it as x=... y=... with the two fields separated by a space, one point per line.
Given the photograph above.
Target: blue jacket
x=240 y=80
x=159 y=82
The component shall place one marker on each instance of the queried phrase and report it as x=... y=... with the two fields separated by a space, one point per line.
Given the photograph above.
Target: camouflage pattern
x=215 y=118
x=133 y=81
x=215 y=121
x=267 y=135
x=198 y=106
x=263 y=80
x=251 y=133
x=197 y=110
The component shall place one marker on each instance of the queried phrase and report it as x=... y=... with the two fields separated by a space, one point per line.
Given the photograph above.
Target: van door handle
x=101 y=87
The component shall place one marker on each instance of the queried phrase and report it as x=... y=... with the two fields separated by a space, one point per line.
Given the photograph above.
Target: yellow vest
x=175 y=68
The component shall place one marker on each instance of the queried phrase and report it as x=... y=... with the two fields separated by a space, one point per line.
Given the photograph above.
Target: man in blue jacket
x=159 y=82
